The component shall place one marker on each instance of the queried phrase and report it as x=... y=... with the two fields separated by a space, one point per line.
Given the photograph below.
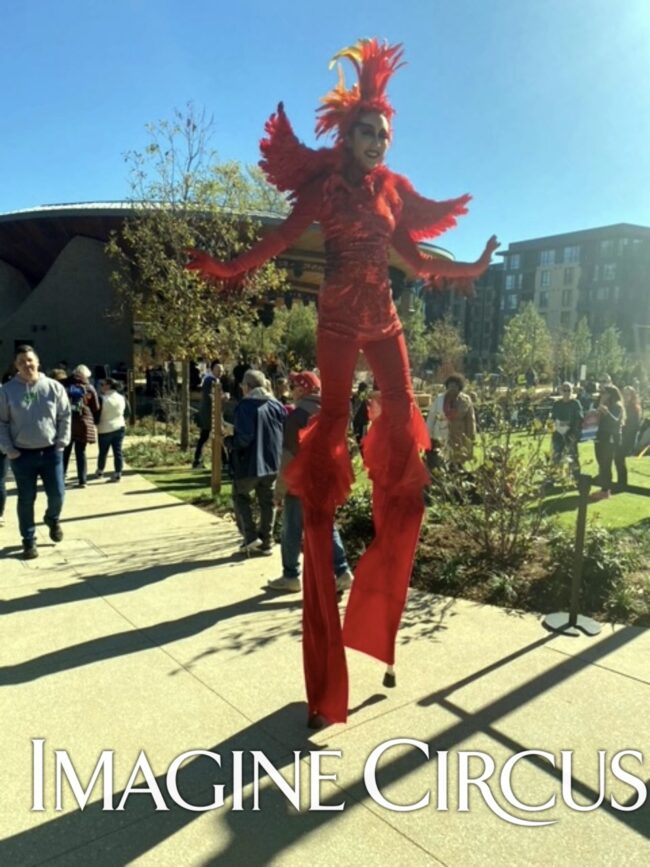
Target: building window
x=547 y=257
x=602 y=293
x=510 y=282
x=606 y=248
x=514 y=262
x=512 y=302
x=545 y=279
x=609 y=271
x=596 y=272
x=568 y=276
x=622 y=244
x=567 y=297
x=571 y=254
x=520 y=281
x=543 y=300
x=565 y=318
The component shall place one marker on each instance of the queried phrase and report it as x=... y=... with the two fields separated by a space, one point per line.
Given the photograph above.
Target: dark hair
x=110 y=382
x=613 y=394
x=24 y=347
x=216 y=361
x=458 y=378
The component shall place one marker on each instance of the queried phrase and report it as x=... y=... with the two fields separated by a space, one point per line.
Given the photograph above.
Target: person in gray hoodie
x=34 y=430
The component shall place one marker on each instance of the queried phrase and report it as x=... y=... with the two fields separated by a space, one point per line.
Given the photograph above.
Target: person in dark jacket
x=608 y=437
x=205 y=410
x=256 y=449
x=567 y=416
x=305 y=389
x=85 y=407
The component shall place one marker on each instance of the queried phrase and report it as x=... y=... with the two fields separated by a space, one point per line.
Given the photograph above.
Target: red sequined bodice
x=357 y=223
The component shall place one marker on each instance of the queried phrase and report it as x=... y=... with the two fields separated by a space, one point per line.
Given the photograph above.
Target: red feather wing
x=287 y=163
x=426 y=218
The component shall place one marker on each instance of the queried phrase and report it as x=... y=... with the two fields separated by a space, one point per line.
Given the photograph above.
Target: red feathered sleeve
x=287 y=163
x=304 y=213
x=425 y=218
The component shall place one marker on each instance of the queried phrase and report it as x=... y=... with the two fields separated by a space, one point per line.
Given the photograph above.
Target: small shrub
x=607 y=561
x=497 y=503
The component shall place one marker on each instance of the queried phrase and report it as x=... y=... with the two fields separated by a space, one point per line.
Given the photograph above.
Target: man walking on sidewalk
x=34 y=430
x=256 y=449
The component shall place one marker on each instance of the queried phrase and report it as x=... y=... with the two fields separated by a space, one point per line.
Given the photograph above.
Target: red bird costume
x=361 y=215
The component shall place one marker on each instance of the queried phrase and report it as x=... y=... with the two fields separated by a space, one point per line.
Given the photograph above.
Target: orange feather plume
x=374 y=64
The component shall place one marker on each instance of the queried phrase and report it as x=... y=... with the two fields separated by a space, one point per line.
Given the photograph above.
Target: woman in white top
x=111 y=428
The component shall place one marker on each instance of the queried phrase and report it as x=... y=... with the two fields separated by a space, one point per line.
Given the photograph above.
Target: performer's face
x=369 y=139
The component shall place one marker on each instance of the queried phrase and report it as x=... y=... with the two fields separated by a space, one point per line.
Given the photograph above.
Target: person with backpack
x=84 y=406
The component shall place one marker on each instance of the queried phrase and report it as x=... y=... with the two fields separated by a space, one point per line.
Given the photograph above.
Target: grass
x=445 y=564
x=622 y=511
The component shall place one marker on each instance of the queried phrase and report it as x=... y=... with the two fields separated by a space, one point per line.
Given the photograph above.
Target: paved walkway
x=142 y=631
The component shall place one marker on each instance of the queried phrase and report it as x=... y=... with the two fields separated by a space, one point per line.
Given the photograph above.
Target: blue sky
x=539 y=108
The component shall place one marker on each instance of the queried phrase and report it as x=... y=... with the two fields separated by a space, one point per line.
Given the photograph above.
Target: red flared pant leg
x=391 y=453
x=321 y=476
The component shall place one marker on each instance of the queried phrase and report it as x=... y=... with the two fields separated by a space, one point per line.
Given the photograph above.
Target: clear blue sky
x=539 y=108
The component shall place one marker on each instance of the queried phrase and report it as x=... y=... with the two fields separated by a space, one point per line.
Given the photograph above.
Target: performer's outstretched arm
x=301 y=217
x=429 y=266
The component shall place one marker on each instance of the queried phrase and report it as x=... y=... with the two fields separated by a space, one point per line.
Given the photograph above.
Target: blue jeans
x=32 y=463
x=292 y=541
x=114 y=440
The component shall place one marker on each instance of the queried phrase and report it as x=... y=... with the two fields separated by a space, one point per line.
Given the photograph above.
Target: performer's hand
x=490 y=247
x=206 y=265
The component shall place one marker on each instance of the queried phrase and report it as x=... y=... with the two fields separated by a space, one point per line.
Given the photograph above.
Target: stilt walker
x=363 y=208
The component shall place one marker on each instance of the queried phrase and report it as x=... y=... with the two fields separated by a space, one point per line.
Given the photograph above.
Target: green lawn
x=621 y=511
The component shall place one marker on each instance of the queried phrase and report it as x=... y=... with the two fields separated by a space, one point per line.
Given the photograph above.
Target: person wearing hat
x=305 y=389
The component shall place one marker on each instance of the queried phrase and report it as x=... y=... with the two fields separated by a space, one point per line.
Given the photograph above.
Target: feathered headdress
x=374 y=64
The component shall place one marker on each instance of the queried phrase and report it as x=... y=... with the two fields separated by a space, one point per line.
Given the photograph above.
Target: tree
x=182 y=197
x=582 y=344
x=415 y=334
x=446 y=345
x=526 y=344
x=292 y=335
x=608 y=355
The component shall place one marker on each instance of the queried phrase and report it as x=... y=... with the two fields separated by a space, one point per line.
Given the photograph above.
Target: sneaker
x=249 y=547
x=30 y=551
x=198 y=468
x=343 y=581
x=116 y=477
x=285 y=584
x=81 y=484
x=56 y=533
x=99 y=474
x=265 y=550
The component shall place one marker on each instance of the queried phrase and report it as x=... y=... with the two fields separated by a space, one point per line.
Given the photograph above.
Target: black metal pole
x=584 y=483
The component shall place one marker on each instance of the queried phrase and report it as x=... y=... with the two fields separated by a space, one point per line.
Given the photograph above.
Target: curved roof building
x=55 y=291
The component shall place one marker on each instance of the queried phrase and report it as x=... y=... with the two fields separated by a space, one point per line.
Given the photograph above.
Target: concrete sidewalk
x=142 y=631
